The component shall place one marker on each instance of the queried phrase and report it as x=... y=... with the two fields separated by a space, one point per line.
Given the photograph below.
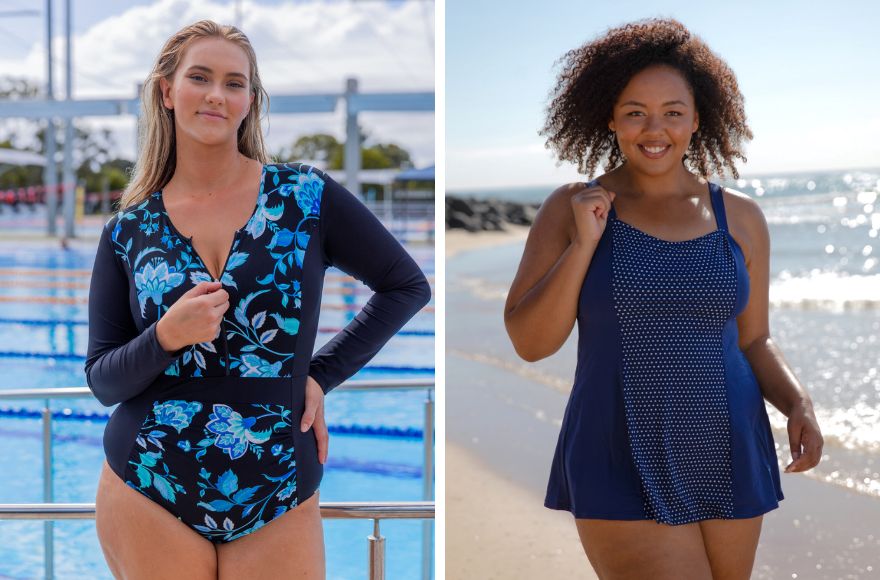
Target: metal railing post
x=49 y=511
x=377 y=553
x=49 y=525
x=428 y=483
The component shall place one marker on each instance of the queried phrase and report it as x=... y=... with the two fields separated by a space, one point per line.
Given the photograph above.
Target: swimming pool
x=43 y=338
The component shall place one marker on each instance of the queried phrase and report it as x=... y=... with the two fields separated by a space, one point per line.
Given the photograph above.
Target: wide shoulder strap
x=716 y=193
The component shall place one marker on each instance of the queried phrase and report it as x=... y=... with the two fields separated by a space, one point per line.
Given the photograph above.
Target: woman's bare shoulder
x=746 y=221
x=555 y=213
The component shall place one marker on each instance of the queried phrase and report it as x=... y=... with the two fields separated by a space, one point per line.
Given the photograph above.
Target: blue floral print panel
x=259 y=332
x=227 y=470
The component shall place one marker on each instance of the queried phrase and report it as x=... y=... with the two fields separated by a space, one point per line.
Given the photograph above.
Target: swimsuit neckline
x=646 y=234
x=235 y=234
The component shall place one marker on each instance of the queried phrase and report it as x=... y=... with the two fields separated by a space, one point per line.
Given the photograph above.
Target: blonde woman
x=203 y=311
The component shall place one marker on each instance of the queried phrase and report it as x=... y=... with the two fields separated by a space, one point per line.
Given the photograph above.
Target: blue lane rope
x=387 y=468
x=81 y=358
x=37 y=322
x=363 y=430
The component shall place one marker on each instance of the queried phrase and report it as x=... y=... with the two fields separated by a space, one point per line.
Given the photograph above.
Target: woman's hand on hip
x=314 y=416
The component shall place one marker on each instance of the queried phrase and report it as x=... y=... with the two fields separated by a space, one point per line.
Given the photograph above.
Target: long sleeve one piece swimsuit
x=665 y=420
x=211 y=432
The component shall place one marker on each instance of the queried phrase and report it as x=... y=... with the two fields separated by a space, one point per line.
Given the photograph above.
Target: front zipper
x=225 y=344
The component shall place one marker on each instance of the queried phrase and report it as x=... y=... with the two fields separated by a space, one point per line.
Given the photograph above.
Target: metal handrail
x=360 y=385
x=375 y=511
x=354 y=510
x=377 y=542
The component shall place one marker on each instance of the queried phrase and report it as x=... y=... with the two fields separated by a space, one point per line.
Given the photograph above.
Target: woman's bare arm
x=776 y=380
x=541 y=305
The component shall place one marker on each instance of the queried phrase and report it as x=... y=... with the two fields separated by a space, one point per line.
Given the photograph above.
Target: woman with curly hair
x=665 y=455
x=203 y=312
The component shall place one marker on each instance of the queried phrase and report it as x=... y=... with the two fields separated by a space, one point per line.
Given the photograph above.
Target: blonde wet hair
x=157 y=151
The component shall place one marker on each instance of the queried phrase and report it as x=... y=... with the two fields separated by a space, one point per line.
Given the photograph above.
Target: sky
x=302 y=47
x=809 y=72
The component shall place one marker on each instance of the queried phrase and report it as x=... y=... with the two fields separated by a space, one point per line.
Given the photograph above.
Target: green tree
x=328 y=150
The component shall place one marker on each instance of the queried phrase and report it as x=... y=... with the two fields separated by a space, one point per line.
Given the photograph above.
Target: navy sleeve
x=356 y=242
x=120 y=362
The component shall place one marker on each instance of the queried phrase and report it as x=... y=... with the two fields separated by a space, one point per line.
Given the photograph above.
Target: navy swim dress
x=666 y=420
x=211 y=432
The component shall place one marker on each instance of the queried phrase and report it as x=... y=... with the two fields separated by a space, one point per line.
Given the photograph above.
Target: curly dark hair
x=594 y=75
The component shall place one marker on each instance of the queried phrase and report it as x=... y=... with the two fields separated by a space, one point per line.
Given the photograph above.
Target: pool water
x=40 y=283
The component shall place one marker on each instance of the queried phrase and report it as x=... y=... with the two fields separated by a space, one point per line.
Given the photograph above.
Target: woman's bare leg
x=644 y=549
x=142 y=540
x=290 y=546
x=731 y=546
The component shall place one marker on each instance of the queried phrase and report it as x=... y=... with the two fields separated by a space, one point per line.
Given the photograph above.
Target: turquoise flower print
x=233 y=431
x=288 y=325
x=282 y=239
x=307 y=190
x=154 y=281
x=254 y=366
x=257 y=224
x=285 y=190
x=177 y=414
x=288 y=490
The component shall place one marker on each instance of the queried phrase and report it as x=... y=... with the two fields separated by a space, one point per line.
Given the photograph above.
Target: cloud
x=301 y=48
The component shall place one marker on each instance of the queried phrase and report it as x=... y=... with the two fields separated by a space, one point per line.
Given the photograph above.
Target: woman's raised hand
x=194 y=318
x=591 y=207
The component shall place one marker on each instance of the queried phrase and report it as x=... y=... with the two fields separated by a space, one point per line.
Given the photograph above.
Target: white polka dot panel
x=672 y=300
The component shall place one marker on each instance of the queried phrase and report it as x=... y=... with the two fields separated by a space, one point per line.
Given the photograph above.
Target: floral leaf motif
x=161 y=484
x=282 y=239
x=236 y=260
x=209 y=521
x=143 y=253
x=288 y=325
x=241 y=309
x=228 y=525
x=218 y=505
x=198 y=276
x=143 y=475
x=148 y=459
x=200 y=359
x=258 y=436
x=243 y=495
x=227 y=483
x=208 y=346
x=228 y=280
x=267 y=336
x=258 y=320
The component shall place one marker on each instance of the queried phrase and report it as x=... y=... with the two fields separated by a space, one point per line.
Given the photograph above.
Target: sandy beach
x=502 y=426
x=497 y=529
x=458 y=240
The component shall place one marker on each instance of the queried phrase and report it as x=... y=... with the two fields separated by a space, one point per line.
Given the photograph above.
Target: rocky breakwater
x=477 y=215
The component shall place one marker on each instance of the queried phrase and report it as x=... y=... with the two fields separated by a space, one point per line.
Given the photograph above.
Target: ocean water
x=824 y=312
